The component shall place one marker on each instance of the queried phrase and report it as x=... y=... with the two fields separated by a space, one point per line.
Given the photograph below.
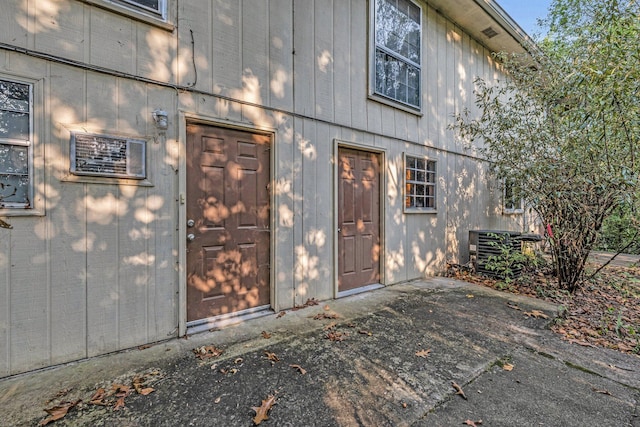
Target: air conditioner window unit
x=107 y=155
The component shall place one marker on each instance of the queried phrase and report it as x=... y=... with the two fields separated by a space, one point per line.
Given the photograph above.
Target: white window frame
x=508 y=186
x=161 y=12
x=35 y=154
x=376 y=47
x=410 y=184
x=158 y=17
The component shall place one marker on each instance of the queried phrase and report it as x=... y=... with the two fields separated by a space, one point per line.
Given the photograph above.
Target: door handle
x=191 y=237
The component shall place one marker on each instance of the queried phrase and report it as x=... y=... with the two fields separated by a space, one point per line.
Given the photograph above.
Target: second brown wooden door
x=358 y=219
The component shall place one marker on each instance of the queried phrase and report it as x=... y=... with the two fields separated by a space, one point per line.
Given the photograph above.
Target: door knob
x=190 y=223
x=191 y=237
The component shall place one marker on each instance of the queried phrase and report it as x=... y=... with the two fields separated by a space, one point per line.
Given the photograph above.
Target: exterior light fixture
x=160 y=117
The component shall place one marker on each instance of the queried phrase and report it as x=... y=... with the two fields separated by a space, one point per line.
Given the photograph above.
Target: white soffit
x=501 y=32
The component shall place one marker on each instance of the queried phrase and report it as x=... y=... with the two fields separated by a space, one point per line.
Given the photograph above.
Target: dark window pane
x=14 y=96
x=152 y=4
x=14 y=159
x=14 y=125
x=14 y=189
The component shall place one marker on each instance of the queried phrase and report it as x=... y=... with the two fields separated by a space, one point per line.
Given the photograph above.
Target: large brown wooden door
x=228 y=204
x=358 y=219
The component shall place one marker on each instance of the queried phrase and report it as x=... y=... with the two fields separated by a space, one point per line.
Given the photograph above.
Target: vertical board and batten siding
x=98 y=273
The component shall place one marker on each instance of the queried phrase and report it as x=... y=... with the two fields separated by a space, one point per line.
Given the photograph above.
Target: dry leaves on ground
x=603 y=312
x=207 y=352
x=112 y=396
x=309 y=303
x=336 y=336
x=321 y=316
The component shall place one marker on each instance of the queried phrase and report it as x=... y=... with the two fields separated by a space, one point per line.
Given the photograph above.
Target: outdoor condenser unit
x=486 y=243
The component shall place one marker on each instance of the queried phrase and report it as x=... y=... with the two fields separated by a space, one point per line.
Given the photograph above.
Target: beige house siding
x=101 y=270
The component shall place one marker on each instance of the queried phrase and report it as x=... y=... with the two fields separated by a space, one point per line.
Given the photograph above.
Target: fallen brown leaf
x=207 y=351
x=282 y=313
x=423 y=353
x=262 y=411
x=321 y=316
x=472 y=423
x=140 y=389
x=98 y=396
x=58 y=412
x=266 y=335
x=309 y=303
x=121 y=390
x=299 y=368
x=272 y=357
x=507 y=367
x=329 y=326
x=536 y=313
x=119 y=404
x=336 y=336
x=458 y=390
x=363 y=332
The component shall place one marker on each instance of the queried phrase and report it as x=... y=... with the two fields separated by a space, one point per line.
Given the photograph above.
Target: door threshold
x=218 y=322
x=360 y=290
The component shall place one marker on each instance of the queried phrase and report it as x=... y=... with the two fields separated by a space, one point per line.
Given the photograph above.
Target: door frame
x=382 y=152
x=185 y=119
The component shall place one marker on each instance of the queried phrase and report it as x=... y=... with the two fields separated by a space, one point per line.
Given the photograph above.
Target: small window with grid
x=420 y=184
x=512 y=197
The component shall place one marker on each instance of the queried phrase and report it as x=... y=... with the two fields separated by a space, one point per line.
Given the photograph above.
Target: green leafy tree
x=565 y=124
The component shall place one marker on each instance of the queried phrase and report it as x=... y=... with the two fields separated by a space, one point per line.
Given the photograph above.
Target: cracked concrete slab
x=395 y=353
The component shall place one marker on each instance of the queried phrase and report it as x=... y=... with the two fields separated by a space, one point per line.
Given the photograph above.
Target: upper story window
x=420 y=184
x=16 y=136
x=397 y=54
x=151 y=11
x=155 y=6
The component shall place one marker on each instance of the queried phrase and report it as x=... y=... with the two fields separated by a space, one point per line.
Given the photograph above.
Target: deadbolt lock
x=190 y=223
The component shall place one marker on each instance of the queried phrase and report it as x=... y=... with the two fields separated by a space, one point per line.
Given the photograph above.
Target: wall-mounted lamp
x=160 y=117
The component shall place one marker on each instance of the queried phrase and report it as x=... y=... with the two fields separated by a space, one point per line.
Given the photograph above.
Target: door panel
x=228 y=200
x=358 y=219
